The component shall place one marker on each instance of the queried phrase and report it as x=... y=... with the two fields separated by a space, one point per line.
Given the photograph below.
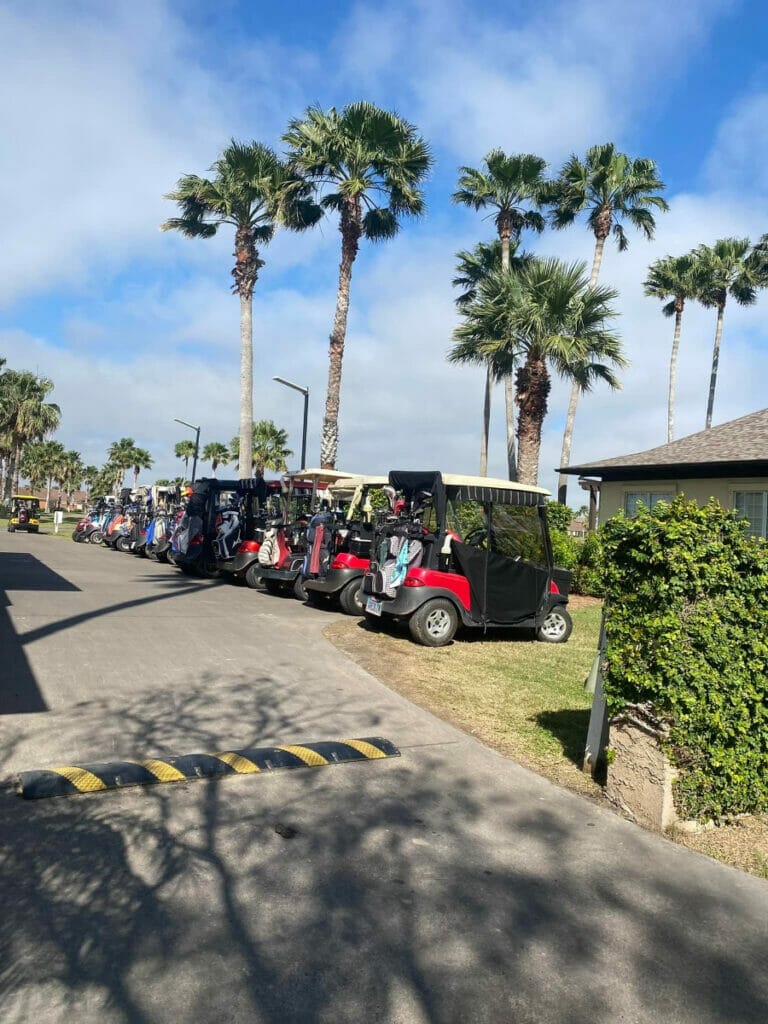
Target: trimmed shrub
x=588 y=575
x=559 y=516
x=687 y=632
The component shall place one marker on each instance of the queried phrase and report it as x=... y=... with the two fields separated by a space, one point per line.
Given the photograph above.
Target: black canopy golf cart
x=471 y=551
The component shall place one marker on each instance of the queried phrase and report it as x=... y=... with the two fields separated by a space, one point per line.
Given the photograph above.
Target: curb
x=70 y=780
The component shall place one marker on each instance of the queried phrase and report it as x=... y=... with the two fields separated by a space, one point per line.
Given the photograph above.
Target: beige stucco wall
x=612 y=494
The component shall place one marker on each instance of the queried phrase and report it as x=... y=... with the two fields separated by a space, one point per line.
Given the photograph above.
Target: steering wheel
x=477 y=536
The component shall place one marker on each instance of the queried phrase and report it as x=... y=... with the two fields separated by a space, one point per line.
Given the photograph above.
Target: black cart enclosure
x=492 y=532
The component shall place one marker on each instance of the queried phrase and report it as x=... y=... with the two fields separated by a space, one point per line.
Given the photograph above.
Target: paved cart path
x=449 y=885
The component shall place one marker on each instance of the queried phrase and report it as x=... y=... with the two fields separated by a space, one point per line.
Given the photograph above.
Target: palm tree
x=217 y=454
x=186 y=450
x=269 y=447
x=120 y=457
x=141 y=460
x=90 y=476
x=25 y=417
x=673 y=278
x=730 y=267
x=547 y=318
x=611 y=188
x=511 y=186
x=70 y=474
x=43 y=463
x=472 y=267
x=369 y=164
x=253 y=191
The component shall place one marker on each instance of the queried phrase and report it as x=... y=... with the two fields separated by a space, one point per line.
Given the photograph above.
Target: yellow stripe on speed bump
x=310 y=757
x=238 y=763
x=96 y=777
x=366 y=749
x=83 y=780
x=162 y=771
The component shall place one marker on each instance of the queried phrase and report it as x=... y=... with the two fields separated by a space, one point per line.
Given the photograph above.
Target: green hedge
x=687 y=631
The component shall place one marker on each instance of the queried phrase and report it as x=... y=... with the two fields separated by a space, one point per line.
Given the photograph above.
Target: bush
x=559 y=516
x=588 y=575
x=687 y=631
x=565 y=549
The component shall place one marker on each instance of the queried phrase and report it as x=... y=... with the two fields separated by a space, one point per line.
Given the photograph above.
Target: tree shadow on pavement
x=409 y=891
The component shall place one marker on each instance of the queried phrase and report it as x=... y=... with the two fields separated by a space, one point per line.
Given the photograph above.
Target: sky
x=103 y=105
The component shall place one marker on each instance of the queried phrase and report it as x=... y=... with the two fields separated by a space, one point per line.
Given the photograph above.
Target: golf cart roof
x=328 y=476
x=468 y=488
x=349 y=483
x=25 y=497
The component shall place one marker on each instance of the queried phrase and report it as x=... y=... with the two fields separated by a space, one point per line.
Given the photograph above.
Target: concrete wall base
x=640 y=775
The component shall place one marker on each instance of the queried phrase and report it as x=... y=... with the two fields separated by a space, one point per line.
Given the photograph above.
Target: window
x=517 y=533
x=649 y=498
x=752 y=506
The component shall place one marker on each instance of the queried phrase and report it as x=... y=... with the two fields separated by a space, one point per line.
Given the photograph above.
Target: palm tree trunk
x=245 y=459
x=533 y=387
x=509 y=383
x=48 y=483
x=350 y=237
x=715 y=361
x=10 y=468
x=570 y=419
x=16 y=470
x=673 y=373
x=565 y=452
x=486 y=421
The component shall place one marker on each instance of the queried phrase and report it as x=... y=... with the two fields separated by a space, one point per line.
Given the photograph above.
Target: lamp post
x=304 y=391
x=197 y=443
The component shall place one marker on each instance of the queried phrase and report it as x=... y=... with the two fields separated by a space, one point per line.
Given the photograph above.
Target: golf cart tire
x=161 y=556
x=186 y=568
x=435 y=623
x=316 y=598
x=11 y=529
x=78 y=538
x=34 y=529
x=351 y=596
x=208 y=569
x=253 y=577
x=556 y=627
x=123 y=544
x=273 y=586
x=299 y=590
x=97 y=537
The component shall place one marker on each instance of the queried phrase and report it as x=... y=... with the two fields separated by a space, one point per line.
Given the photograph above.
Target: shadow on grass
x=569 y=728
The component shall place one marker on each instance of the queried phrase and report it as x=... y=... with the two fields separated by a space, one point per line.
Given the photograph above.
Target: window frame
x=639 y=495
x=763 y=534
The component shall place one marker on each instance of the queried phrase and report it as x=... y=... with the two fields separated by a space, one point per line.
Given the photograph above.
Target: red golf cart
x=465 y=551
x=339 y=544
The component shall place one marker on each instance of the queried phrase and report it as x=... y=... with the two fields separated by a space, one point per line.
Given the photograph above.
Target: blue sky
x=103 y=105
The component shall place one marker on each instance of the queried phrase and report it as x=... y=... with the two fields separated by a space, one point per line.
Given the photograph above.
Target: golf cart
x=471 y=551
x=24 y=514
x=237 y=553
x=339 y=544
x=280 y=559
x=209 y=526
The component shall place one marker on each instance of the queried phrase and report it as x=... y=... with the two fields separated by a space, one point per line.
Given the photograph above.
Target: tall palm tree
x=514 y=187
x=90 y=476
x=186 y=450
x=217 y=454
x=46 y=458
x=674 y=281
x=270 y=450
x=473 y=266
x=729 y=267
x=612 y=188
x=548 y=318
x=251 y=190
x=25 y=417
x=120 y=456
x=141 y=460
x=369 y=165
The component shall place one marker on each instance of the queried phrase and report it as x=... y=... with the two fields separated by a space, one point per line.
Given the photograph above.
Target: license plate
x=373 y=606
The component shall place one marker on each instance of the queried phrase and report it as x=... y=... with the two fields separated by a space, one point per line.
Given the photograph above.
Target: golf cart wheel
x=299 y=590
x=97 y=537
x=187 y=568
x=253 y=577
x=316 y=598
x=11 y=529
x=208 y=569
x=33 y=529
x=273 y=586
x=351 y=598
x=77 y=537
x=435 y=623
x=556 y=627
x=123 y=544
x=161 y=556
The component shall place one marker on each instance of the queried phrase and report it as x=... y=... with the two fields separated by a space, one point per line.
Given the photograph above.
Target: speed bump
x=69 y=780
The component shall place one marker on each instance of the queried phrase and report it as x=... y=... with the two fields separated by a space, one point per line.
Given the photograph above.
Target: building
x=728 y=462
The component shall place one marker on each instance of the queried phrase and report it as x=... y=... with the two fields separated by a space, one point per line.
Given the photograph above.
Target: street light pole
x=197 y=444
x=305 y=392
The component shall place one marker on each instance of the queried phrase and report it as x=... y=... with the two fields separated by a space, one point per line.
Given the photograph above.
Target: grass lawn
x=523 y=698
x=526 y=700
x=46 y=524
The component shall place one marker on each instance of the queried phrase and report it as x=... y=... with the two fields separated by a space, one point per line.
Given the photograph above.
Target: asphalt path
x=447 y=885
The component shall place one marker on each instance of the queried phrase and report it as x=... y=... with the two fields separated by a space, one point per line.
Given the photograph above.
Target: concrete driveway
x=448 y=885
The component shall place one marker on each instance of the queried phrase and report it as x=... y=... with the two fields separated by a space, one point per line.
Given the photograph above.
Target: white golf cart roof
x=328 y=476
x=349 y=483
x=456 y=480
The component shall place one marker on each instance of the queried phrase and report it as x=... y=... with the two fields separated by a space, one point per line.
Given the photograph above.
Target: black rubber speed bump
x=94 y=778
